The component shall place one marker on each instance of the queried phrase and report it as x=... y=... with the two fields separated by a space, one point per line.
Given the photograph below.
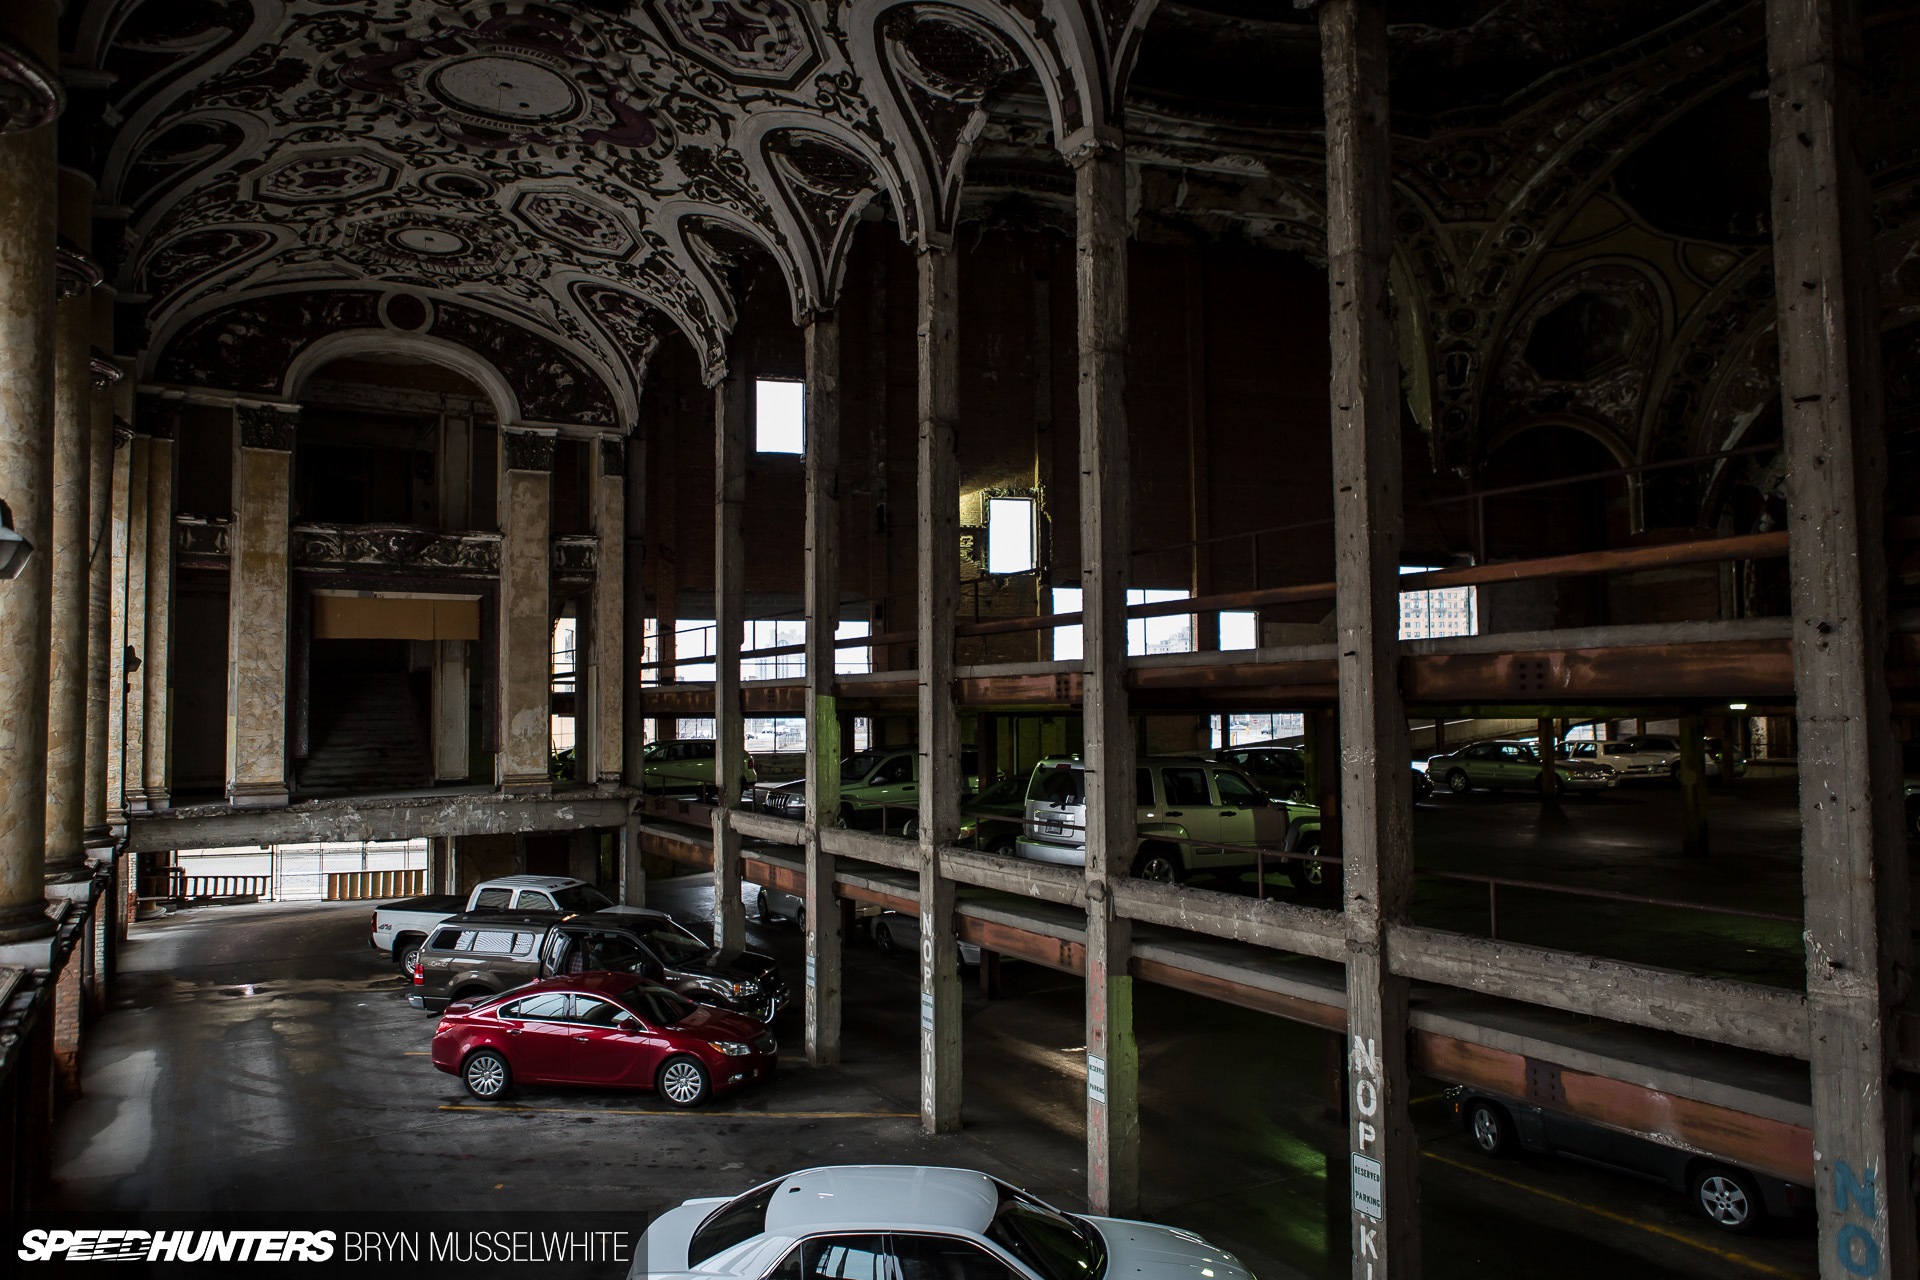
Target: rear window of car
x=737 y=1221
x=1065 y=784
x=492 y=942
x=493 y=899
x=582 y=897
x=444 y=940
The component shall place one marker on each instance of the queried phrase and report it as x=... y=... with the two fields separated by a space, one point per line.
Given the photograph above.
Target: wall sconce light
x=15 y=550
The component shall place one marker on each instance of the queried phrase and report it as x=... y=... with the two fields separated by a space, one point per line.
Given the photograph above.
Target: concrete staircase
x=367 y=736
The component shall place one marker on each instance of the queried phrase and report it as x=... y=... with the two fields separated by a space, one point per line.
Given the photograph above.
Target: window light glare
x=779 y=416
x=1010 y=535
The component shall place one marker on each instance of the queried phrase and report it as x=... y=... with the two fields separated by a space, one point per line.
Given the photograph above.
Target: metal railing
x=179 y=886
x=1496 y=883
x=359 y=886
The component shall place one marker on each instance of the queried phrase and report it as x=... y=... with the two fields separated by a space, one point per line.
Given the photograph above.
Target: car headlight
x=732 y=1048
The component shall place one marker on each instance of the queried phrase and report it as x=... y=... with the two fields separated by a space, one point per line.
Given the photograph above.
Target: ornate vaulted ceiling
x=554 y=186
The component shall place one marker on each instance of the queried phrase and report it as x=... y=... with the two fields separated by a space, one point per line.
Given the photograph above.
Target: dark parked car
x=1731 y=1198
x=612 y=1029
x=477 y=955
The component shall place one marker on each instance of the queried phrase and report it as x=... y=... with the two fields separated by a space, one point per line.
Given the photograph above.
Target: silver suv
x=1185 y=803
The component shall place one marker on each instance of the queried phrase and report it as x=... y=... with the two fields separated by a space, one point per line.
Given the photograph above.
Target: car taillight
x=373 y=923
x=419 y=973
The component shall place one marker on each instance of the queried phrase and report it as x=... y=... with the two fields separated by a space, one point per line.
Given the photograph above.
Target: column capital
x=1094 y=142
x=266 y=426
x=74 y=271
x=527 y=448
x=102 y=372
x=31 y=96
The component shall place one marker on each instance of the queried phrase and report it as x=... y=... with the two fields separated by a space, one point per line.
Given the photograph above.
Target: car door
x=894 y=786
x=1516 y=766
x=606 y=1052
x=539 y=1036
x=1233 y=819
x=1190 y=803
x=839 y=1257
x=1481 y=764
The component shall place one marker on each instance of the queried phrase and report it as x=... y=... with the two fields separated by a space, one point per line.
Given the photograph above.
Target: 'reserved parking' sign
x=1367 y=1186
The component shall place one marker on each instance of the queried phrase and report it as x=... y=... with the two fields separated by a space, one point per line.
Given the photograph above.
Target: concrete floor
x=259 y=1055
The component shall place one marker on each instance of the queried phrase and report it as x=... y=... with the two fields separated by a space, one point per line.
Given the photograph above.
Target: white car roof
x=532 y=882
x=882 y=1196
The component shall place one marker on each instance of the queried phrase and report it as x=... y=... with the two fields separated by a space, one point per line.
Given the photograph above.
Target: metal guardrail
x=179 y=885
x=360 y=886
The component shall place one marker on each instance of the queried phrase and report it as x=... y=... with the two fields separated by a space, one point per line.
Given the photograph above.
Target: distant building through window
x=1144 y=635
x=1445 y=611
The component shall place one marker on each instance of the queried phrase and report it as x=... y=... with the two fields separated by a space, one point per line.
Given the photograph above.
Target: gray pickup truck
x=398 y=928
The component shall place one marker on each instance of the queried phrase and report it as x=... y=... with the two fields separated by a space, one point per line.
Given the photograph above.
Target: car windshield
x=855 y=768
x=1048 y=1241
x=675 y=945
x=582 y=897
x=739 y=1219
x=1008 y=792
x=659 y=1006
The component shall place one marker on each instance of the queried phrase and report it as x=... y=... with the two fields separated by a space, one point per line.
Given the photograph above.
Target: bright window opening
x=779 y=416
x=1445 y=611
x=1239 y=629
x=1012 y=535
x=1144 y=635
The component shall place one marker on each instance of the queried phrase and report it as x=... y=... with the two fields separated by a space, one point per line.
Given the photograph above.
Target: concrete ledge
x=347 y=820
x=1263 y=922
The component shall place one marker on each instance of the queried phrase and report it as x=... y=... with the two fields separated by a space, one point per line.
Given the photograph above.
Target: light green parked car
x=686 y=765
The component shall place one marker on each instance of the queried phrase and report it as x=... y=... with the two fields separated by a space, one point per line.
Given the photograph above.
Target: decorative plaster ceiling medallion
x=430 y=240
x=505 y=90
x=575 y=221
x=314 y=179
x=768 y=41
x=415 y=243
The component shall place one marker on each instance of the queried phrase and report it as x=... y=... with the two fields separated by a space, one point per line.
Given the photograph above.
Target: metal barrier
x=179 y=885
x=1496 y=883
x=359 y=886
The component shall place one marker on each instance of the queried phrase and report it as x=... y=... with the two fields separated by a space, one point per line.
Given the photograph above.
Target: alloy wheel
x=682 y=1083
x=1724 y=1200
x=486 y=1076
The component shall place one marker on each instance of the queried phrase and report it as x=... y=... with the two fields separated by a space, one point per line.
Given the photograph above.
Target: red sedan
x=614 y=1029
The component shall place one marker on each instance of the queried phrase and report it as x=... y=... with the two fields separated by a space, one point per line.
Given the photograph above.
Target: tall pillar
x=260 y=595
x=133 y=683
x=822 y=592
x=633 y=868
x=604 y=649
x=729 y=621
x=103 y=476
x=119 y=525
x=65 y=796
x=1693 y=787
x=1106 y=542
x=1368 y=522
x=938 y=611
x=526 y=631
x=157 y=720
x=452 y=674
x=1854 y=862
x=27 y=229
x=633 y=612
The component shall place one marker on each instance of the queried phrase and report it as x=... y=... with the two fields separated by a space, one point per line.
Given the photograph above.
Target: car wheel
x=800 y=916
x=764 y=905
x=406 y=951
x=1003 y=845
x=1314 y=877
x=1491 y=1129
x=1158 y=862
x=486 y=1075
x=1727 y=1198
x=883 y=938
x=683 y=1082
x=1558 y=787
x=1457 y=782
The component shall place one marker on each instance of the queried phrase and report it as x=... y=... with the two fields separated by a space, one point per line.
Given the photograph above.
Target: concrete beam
x=322 y=821
x=1767 y=1019
x=1235 y=917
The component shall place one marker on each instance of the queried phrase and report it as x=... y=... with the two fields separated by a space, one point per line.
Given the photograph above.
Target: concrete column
x=72 y=457
x=822 y=593
x=1854 y=860
x=1543 y=729
x=259 y=600
x=633 y=612
x=729 y=621
x=1368 y=521
x=439 y=864
x=156 y=735
x=633 y=871
x=119 y=512
x=27 y=230
x=101 y=644
x=133 y=683
x=1693 y=788
x=938 y=610
x=526 y=626
x=606 y=736
x=1106 y=542
x=452 y=668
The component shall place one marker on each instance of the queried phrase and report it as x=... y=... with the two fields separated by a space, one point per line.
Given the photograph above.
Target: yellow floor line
x=1764 y=1268
x=693 y=1115
x=417 y=1053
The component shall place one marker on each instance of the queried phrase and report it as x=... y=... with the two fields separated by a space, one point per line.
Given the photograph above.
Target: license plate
x=1052 y=829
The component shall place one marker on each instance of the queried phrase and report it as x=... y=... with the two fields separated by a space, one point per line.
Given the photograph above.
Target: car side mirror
x=628 y=1023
